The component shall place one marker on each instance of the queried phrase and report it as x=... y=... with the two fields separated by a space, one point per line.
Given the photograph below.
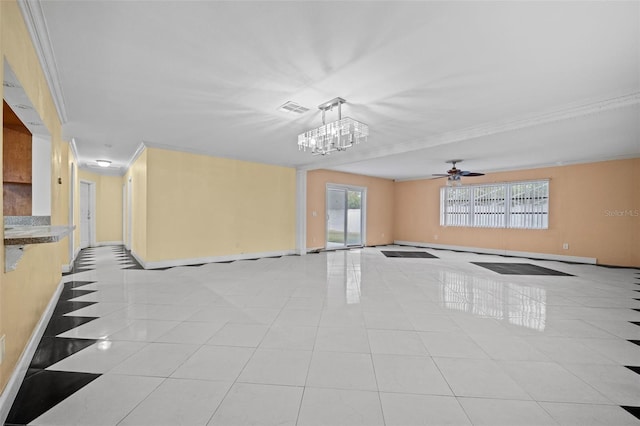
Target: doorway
x=87 y=209
x=345 y=216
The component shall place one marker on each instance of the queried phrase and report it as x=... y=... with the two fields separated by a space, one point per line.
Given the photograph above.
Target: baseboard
x=109 y=243
x=11 y=390
x=212 y=259
x=525 y=254
x=68 y=267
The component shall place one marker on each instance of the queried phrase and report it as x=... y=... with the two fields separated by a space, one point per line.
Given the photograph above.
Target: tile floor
x=339 y=338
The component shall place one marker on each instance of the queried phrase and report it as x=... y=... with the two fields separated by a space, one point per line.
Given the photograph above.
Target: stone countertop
x=24 y=234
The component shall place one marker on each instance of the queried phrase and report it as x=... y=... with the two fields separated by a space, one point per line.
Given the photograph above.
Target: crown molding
x=566 y=112
x=37 y=26
x=74 y=150
x=139 y=150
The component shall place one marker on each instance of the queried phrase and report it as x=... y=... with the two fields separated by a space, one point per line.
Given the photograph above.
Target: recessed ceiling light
x=22 y=106
x=34 y=123
x=293 y=107
x=103 y=163
x=6 y=83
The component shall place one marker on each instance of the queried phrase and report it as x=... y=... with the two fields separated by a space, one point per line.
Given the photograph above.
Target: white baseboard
x=212 y=259
x=67 y=267
x=109 y=243
x=526 y=254
x=11 y=390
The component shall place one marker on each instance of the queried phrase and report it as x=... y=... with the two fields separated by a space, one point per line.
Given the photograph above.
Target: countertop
x=26 y=234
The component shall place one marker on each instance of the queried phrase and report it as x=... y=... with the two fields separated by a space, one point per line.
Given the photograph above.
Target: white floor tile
x=98 y=358
x=502 y=412
x=143 y=330
x=479 y=378
x=589 y=414
x=452 y=345
x=248 y=335
x=332 y=407
x=396 y=342
x=342 y=370
x=290 y=337
x=179 y=402
x=548 y=381
x=422 y=410
x=277 y=367
x=191 y=332
x=619 y=384
x=251 y=404
x=214 y=363
x=342 y=339
x=156 y=359
x=408 y=374
x=105 y=401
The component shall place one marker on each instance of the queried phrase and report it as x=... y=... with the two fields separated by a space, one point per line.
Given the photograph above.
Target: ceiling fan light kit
x=335 y=136
x=454 y=174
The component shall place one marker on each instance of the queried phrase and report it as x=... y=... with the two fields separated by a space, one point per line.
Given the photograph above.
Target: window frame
x=536 y=218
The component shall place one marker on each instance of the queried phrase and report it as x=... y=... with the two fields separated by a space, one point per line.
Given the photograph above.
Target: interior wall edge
x=10 y=391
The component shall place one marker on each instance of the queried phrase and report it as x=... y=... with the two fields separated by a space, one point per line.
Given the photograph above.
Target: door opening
x=345 y=216
x=87 y=207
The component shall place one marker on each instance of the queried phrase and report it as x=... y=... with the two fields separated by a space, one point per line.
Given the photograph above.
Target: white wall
x=41 y=176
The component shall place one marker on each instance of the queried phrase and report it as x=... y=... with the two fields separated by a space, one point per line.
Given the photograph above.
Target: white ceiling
x=503 y=85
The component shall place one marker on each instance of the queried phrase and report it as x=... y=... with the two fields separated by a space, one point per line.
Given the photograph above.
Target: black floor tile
x=632 y=410
x=635 y=322
x=76 y=284
x=409 y=254
x=60 y=324
x=633 y=368
x=42 y=391
x=53 y=349
x=519 y=269
x=66 y=306
x=73 y=293
x=636 y=342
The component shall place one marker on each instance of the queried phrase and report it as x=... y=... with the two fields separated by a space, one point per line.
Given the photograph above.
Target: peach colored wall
x=379 y=206
x=583 y=202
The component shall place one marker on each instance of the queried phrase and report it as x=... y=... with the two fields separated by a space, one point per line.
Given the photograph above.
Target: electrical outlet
x=435 y=237
x=565 y=246
x=2 y=348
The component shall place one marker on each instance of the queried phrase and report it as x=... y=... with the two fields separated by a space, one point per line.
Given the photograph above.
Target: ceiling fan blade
x=471 y=174
x=439 y=175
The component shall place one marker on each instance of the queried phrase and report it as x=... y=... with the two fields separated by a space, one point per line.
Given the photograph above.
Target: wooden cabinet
x=16 y=165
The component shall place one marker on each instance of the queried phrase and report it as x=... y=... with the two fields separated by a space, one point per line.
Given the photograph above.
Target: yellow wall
x=137 y=174
x=108 y=213
x=583 y=199
x=379 y=209
x=25 y=292
x=201 y=206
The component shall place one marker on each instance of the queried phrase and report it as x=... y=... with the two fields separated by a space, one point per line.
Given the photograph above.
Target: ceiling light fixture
x=103 y=163
x=335 y=136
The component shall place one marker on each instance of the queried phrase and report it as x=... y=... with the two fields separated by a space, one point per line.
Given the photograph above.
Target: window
x=523 y=205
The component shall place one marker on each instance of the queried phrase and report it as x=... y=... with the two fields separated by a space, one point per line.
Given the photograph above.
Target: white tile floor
x=355 y=338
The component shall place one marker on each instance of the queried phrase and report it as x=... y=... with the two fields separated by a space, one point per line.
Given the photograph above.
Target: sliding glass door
x=345 y=216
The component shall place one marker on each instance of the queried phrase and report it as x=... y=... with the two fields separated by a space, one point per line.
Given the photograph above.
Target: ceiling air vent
x=293 y=107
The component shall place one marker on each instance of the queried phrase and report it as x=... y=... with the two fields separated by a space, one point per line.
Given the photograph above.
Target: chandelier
x=335 y=136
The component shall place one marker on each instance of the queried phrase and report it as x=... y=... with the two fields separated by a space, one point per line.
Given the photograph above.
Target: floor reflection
x=520 y=305
x=344 y=277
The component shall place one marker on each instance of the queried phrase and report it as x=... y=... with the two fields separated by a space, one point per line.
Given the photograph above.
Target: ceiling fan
x=454 y=174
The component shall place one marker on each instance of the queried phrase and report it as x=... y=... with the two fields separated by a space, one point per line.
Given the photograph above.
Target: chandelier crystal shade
x=335 y=136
